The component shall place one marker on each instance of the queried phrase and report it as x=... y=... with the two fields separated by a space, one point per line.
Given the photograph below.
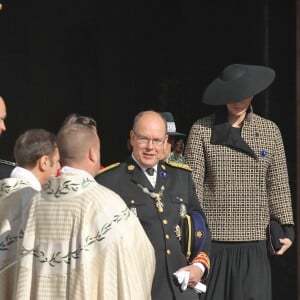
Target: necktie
x=150 y=171
x=152 y=178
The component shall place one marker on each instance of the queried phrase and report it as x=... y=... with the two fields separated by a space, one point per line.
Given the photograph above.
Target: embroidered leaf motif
x=6 y=187
x=58 y=257
x=10 y=239
x=66 y=187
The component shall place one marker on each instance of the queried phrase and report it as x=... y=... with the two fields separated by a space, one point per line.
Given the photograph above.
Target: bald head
x=79 y=147
x=2 y=115
x=149 y=115
x=148 y=138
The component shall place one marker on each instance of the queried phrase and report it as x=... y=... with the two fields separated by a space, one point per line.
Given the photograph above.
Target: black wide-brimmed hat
x=238 y=82
x=171 y=126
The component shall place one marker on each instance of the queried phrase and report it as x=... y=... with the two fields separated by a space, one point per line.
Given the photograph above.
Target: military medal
x=156 y=196
x=182 y=210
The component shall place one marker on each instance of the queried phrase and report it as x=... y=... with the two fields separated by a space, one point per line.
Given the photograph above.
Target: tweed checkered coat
x=240 y=192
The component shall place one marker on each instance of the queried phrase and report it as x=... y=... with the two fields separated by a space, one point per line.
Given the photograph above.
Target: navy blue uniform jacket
x=161 y=227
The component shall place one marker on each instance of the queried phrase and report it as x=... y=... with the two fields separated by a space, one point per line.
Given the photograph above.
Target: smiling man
x=160 y=194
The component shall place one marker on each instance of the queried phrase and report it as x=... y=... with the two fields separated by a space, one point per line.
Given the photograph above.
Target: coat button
x=168 y=251
x=165 y=221
x=167 y=236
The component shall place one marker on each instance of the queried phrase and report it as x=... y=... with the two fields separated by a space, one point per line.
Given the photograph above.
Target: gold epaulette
x=6 y=162
x=179 y=165
x=112 y=166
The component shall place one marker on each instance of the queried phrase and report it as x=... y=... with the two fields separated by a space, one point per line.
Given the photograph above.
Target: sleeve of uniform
x=194 y=157
x=203 y=255
x=278 y=183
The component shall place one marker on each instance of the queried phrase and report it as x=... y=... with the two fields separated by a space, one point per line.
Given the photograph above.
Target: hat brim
x=254 y=80
x=176 y=134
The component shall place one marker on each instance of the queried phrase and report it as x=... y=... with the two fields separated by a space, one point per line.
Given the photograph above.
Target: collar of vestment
x=27 y=176
x=71 y=170
x=68 y=184
x=9 y=185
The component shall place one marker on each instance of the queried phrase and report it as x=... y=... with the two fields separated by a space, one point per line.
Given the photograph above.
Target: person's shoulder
x=109 y=168
x=206 y=120
x=111 y=175
x=263 y=122
x=7 y=163
x=179 y=165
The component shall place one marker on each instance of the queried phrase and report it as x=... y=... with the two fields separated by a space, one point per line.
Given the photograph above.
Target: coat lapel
x=162 y=176
x=137 y=175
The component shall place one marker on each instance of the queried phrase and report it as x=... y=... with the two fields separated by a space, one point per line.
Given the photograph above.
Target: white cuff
x=200 y=266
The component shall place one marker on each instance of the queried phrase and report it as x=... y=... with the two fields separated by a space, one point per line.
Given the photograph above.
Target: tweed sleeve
x=194 y=155
x=278 y=183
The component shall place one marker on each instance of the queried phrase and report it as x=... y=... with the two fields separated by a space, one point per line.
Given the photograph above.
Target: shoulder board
x=6 y=162
x=112 y=166
x=179 y=165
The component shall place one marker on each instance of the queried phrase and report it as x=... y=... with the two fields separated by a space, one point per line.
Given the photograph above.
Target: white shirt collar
x=67 y=169
x=143 y=168
x=26 y=176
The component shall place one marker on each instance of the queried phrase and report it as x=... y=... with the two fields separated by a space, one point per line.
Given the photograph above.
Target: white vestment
x=15 y=198
x=81 y=242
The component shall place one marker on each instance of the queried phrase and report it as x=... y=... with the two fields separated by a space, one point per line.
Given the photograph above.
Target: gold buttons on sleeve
x=132 y=201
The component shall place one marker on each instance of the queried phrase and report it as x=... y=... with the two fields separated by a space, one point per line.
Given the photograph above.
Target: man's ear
x=43 y=162
x=165 y=142
x=92 y=154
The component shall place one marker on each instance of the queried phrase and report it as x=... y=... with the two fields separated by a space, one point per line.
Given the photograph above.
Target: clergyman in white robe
x=81 y=242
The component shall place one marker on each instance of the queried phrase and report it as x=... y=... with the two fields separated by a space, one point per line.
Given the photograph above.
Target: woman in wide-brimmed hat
x=239 y=168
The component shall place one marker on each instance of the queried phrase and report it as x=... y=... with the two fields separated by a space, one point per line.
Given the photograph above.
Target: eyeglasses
x=144 y=140
x=78 y=119
x=86 y=121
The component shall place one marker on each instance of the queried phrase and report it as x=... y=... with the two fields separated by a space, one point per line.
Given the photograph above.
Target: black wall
x=111 y=60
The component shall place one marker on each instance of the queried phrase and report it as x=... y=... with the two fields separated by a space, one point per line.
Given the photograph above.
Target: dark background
x=112 y=59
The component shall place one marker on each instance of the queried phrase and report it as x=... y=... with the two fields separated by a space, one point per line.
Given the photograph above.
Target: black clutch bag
x=274 y=233
x=193 y=234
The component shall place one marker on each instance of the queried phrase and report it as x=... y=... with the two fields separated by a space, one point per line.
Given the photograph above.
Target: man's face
x=54 y=163
x=178 y=146
x=2 y=115
x=148 y=139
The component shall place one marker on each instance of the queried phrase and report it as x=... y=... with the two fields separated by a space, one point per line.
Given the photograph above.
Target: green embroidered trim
x=66 y=187
x=10 y=239
x=58 y=257
x=6 y=188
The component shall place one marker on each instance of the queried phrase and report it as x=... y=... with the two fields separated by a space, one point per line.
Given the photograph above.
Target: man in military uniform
x=170 y=153
x=5 y=166
x=160 y=194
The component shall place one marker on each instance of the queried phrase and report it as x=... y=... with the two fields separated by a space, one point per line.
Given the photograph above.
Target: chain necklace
x=156 y=196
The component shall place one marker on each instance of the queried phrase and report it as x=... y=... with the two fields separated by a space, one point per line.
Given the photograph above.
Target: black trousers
x=239 y=271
